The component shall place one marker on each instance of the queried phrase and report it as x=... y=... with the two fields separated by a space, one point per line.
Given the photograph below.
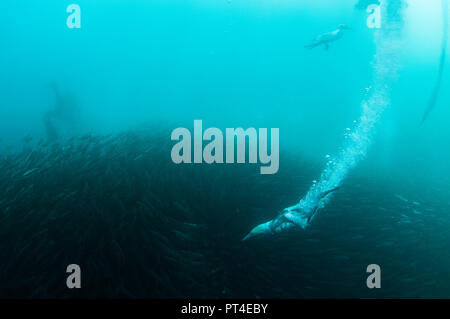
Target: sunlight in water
x=423 y=27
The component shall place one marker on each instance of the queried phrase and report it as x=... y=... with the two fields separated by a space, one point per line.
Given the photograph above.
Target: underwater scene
x=214 y=149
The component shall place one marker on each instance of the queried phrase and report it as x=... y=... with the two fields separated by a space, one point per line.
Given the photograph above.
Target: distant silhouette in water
x=63 y=117
x=326 y=38
x=437 y=87
x=52 y=134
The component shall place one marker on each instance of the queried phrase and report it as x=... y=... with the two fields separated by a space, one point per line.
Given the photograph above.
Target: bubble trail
x=385 y=68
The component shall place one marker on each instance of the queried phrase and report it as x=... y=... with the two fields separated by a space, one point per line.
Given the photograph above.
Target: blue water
x=348 y=116
x=230 y=63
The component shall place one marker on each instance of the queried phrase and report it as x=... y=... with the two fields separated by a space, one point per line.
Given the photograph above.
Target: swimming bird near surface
x=326 y=38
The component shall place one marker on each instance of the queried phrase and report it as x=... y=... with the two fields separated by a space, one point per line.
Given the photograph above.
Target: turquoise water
x=164 y=64
x=238 y=63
